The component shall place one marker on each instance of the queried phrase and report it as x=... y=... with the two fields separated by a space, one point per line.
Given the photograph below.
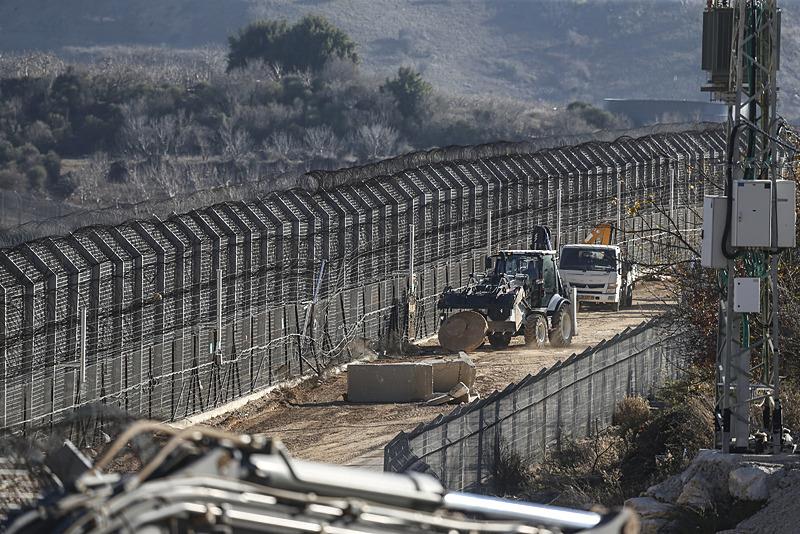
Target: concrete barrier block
x=448 y=372
x=389 y=382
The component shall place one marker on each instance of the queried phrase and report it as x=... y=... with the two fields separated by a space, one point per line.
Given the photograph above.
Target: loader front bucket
x=463 y=331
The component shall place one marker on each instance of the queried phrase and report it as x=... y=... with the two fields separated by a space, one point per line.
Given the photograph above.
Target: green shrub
x=510 y=472
x=409 y=90
x=307 y=45
x=668 y=442
x=36 y=176
x=10 y=179
x=53 y=165
x=630 y=415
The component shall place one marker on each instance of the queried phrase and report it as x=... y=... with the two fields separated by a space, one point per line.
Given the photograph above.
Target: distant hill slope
x=548 y=50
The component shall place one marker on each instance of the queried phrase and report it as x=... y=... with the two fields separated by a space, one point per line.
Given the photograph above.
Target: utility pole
x=740 y=52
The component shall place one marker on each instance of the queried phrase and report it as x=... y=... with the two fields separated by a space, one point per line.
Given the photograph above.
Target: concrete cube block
x=389 y=382
x=448 y=372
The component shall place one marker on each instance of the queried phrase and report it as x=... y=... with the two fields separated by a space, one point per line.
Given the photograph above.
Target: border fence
x=572 y=399
x=165 y=318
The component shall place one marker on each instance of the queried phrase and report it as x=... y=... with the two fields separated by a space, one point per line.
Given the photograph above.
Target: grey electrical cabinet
x=752 y=214
x=752 y=221
x=715 y=210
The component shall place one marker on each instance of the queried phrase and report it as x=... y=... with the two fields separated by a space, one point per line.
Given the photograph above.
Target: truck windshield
x=587 y=259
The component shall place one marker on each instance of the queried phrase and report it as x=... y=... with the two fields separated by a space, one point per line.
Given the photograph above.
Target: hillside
x=550 y=51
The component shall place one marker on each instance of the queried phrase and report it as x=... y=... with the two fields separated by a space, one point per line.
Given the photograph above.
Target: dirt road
x=316 y=424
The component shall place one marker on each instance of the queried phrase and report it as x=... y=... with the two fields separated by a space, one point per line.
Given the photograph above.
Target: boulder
x=459 y=392
x=697 y=494
x=667 y=491
x=749 y=482
x=654 y=516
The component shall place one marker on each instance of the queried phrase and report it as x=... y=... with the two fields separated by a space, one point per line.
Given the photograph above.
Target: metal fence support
x=153 y=292
x=558 y=217
x=562 y=388
x=82 y=361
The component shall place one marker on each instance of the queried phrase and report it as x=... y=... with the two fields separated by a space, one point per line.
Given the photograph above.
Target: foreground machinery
x=205 y=480
x=520 y=294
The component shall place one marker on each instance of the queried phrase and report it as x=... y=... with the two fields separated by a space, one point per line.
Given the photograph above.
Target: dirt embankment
x=316 y=423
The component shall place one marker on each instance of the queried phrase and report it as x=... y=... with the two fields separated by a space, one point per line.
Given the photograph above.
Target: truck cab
x=599 y=273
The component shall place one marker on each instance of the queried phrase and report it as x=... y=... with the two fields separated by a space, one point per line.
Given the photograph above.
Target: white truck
x=600 y=274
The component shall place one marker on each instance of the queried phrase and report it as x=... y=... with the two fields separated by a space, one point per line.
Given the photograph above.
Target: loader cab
x=537 y=270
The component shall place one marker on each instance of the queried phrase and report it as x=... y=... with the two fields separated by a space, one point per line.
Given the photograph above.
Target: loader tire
x=561 y=333
x=536 y=330
x=500 y=340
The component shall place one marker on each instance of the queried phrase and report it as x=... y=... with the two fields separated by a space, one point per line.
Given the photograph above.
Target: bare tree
x=280 y=146
x=137 y=137
x=236 y=142
x=377 y=140
x=321 y=141
x=91 y=177
x=165 y=134
x=30 y=65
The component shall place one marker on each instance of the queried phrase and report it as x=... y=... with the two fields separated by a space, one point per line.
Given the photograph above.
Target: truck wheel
x=500 y=340
x=561 y=333
x=536 y=330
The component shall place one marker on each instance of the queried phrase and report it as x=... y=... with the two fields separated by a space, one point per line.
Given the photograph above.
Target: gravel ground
x=316 y=423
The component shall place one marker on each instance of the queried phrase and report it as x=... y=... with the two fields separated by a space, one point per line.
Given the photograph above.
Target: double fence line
x=165 y=318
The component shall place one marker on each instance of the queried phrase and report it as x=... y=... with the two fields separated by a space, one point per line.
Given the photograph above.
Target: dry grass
x=641 y=448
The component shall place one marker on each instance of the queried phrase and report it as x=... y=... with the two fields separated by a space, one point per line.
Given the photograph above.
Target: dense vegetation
x=549 y=51
x=284 y=98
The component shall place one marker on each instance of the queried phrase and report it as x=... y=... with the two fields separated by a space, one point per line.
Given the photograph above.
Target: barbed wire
x=314 y=181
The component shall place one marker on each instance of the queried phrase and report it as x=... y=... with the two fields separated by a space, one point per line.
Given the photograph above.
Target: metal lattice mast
x=750 y=90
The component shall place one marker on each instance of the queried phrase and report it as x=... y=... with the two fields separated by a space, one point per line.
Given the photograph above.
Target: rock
x=749 y=482
x=459 y=392
x=696 y=495
x=668 y=491
x=438 y=400
x=654 y=516
x=781 y=513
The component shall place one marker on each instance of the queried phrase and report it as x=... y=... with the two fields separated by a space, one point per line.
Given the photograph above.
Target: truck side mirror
x=487 y=262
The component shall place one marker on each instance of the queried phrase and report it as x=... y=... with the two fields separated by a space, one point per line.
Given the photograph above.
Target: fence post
x=590 y=396
x=411 y=299
x=82 y=363
x=443 y=473
x=479 y=470
x=218 y=340
x=558 y=406
x=544 y=415
x=672 y=193
x=619 y=206
x=558 y=216
x=489 y=231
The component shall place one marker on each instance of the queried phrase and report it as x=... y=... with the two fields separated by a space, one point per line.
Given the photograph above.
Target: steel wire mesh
x=150 y=291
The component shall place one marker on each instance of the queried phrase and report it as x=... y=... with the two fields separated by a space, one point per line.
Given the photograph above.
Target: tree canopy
x=409 y=91
x=307 y=45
